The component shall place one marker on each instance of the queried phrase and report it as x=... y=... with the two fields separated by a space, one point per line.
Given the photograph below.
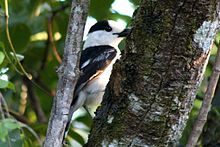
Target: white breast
x=95 y=89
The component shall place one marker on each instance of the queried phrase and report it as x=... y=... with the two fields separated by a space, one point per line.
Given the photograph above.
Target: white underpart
x=95 y=89
x=91 y=95
x=205 y=34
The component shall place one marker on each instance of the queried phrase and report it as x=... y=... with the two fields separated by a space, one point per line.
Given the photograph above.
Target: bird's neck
x=95 y=41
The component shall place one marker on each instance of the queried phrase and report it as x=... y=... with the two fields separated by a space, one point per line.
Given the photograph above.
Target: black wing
x=93 y=61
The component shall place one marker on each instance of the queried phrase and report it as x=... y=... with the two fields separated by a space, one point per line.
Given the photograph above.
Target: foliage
x=28 y=25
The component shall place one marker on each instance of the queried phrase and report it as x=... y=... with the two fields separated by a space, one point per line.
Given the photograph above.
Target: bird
x=100 y=52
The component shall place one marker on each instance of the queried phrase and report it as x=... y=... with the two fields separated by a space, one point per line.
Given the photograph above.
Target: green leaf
x=15 y=138
x=11 y=124
x=6 y=84
x=3 y=84
x=12 y=139
x=20 y=35
x=2 y=57
x=100 y=9
x=11 y=86
x=2 y=45
x=7 y=125
x=3 y=132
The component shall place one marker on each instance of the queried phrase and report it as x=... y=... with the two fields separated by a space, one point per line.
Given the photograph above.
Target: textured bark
x=68 y=74
x=206 y=104
x=152 y=88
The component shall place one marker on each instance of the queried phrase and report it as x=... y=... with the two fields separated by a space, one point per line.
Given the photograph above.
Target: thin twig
x=4 y=104
x=206 y=105
x=32 y=132
x=29 y=76
x=44 y=59
x=1 y=110
x=50 y=30
x=50 y=36
x=17 y=116
x=63 y=7
x=35 y=102
x=2 y=100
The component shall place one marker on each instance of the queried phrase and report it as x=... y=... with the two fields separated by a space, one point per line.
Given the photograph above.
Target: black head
x=106 y=33
x=101 y=25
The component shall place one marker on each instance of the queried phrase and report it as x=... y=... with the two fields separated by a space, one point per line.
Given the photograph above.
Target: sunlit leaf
x=11 y=124
x=7 y=126
x=3 y=132
x=2 y=57
x=6 y=84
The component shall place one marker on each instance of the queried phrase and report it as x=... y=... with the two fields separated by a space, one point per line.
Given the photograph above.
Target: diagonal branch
x=68 y=74
x=50 y=30
x=34 y=100
x=206 y=105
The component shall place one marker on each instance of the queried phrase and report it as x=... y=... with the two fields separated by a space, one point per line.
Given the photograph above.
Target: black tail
x=72 y=110
x=67 y=128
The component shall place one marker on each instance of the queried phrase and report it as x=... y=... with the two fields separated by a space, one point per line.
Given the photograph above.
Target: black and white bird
x=100 y=51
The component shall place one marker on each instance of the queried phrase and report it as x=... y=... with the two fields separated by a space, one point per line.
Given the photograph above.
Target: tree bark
x=68 y=74
x=153 y=86
x=206 y=104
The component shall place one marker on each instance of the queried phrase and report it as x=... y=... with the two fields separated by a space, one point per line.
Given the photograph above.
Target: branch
x=68 y=74
x=17 y=116
x=50 y=30
x=206 y=105
x=50 y=36
x=1 y=110
x=3 y=103
x=23 y=71
x=34 y=100
x=44 y=58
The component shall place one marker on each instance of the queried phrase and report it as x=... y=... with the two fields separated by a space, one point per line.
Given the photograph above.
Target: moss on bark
x=152 y=88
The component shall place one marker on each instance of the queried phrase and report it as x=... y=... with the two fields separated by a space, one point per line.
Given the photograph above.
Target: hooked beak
x=124 y=33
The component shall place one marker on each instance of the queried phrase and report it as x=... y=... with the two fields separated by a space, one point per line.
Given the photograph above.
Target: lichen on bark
x=153 y=86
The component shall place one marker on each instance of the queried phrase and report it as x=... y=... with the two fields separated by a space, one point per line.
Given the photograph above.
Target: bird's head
x=106 y=32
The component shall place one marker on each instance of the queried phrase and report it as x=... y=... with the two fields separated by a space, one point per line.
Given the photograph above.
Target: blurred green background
x=31 y=25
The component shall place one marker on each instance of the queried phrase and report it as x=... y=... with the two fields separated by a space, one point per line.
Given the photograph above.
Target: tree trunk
x=152 y=88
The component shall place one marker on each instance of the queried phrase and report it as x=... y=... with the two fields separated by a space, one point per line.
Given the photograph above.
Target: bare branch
x=206 y=105
x=68 y=74
x=5 y=108
x=1 y=110
x=34 y=100
x=50 y=36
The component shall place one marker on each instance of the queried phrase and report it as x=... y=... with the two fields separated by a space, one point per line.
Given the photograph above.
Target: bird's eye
x=108 y=29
